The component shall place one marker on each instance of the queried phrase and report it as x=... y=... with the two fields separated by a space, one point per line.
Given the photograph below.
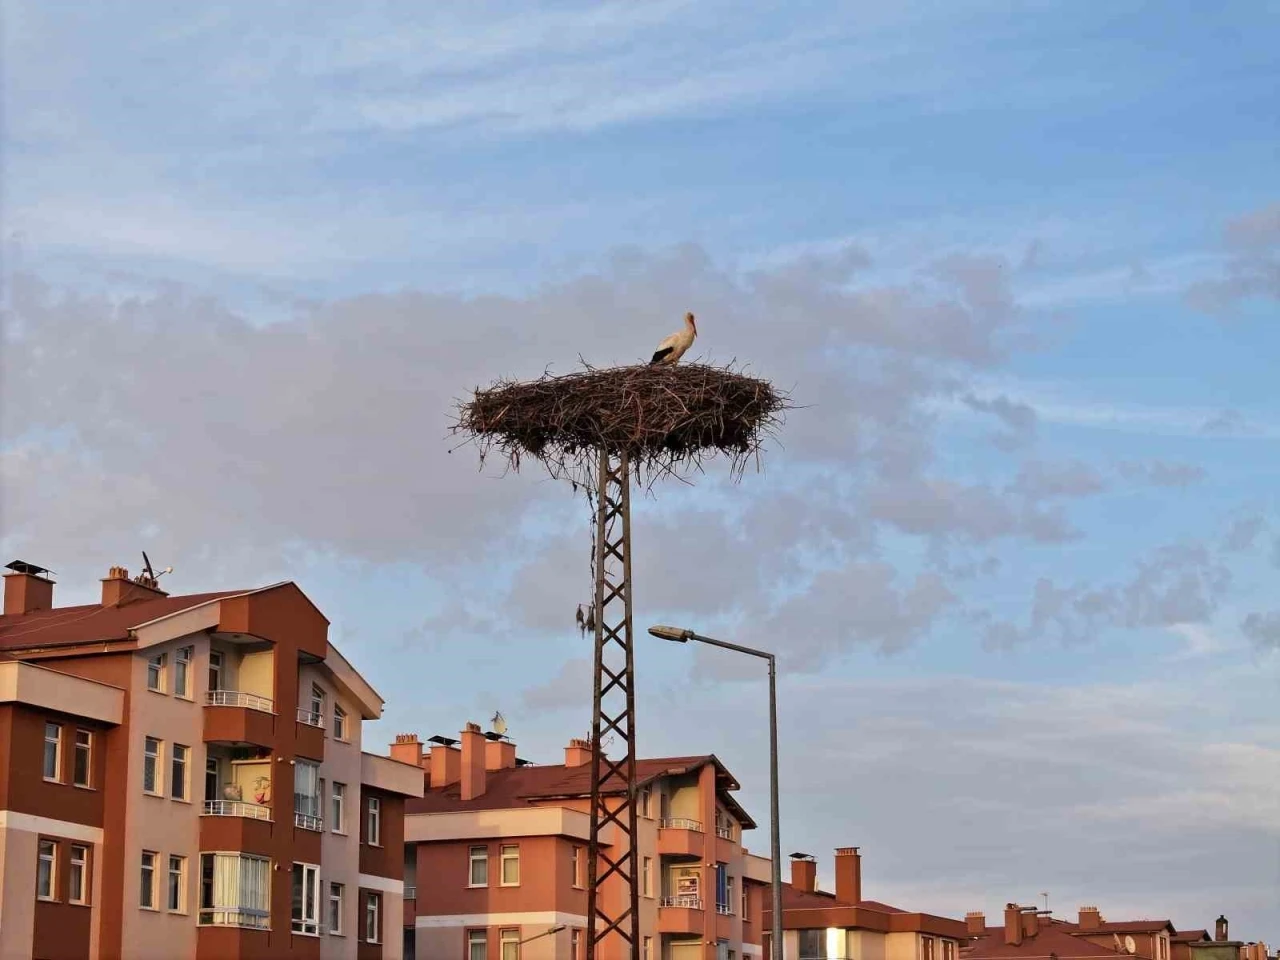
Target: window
x=151 y=766
x=76 y=887
x=510 y=865
x=317 y=702
x=155 y=672
x=728 y=900
x=211 y=778
x=215 y=670
x=52 y=751
x=510 y=942
x=178 y=772
x=746 y=914
x=336 y=894
x=575 y=945
x=926 y=948
x=722 y=888
x=577 y=866
x=235 y=890
x=46 y=869
x=648 y=948
x=306 y=795
x=478 y=876
x=646 y=797
x=372 y=917
x=177 y=900
x=949 y=950
x=339 y=722
x=338 y=805
x=82 y=763
x=182 y=672
x=646 y=876
x=147 y=891
x=373 y=822
x=812 y=943
x=306 y=899
x=477 y=945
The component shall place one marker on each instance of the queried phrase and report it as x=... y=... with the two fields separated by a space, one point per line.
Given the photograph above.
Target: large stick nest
x=667 y=420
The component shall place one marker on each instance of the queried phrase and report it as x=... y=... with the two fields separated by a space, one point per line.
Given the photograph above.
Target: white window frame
x=79 y=875
x=148 y=865
x=318 y=700
x=156 y=763
x=155 y=672
x=575 y=944
x=87 y=749
x=47 y=853
x=339 y=722
x=509 y=937
x=217 y=667
x=372 y=916
x=181 y=874
x=646 y=800
x=477 y=856
x=508 y=853
x=180 y=757
x=182 y=659
x=373 y=821
x=306 y=805
x=577 y=867
x=338 y=806
x=236 y=897
x=307 y=925
x=337 y=903
x=646 y=877
x=478 y=938
x=56 y=742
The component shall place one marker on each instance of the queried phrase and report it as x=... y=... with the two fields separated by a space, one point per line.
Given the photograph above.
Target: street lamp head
x=557 y=928
x=676 y=634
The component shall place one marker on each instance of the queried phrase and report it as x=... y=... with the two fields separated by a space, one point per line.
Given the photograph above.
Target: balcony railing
x=253 y=919
x=724 y=910
x=684 y=900
x=236 y=808
x=310 y=718
x=235 y=698
x=308 y=822
x=680 y=823
x=724 y=833
x=411 y=893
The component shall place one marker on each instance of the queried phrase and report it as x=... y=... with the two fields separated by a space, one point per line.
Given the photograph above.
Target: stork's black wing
x=661 y=355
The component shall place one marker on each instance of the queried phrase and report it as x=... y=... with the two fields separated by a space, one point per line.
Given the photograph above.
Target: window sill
x=79 y=903
x=47 y=899
x=179 y=696
x=154 y=690
x=477 y=886
x=180 y=800
x=337 y=933
x=85 y=786
x=149 y=909
x=303 y=933
x=509 y=886
x=148 y=793
x=52 y=780
x=378 y=845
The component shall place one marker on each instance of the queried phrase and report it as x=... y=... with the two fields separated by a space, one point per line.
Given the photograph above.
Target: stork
x=673 y=347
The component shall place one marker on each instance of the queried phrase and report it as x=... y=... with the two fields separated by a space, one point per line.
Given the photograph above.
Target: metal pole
x=775 y=842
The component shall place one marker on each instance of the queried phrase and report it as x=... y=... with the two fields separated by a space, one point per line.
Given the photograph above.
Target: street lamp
x=682 y=635
x=539 y=936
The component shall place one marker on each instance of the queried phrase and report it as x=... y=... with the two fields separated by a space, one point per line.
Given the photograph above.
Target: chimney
x=118 y=589
x=472 y=761
x=1090 y=918
x=407 y=749
x=499 y=755
x=1030 y=922
x=577 y=753
x=1012 y=924
x=849 y=875
x=804 y=872
x=975 y=922
x=445 y=765
x=26 y=590
x=1220 y=928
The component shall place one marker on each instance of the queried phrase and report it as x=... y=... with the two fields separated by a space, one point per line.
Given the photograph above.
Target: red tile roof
x=1131 y=926
x=91 y=623
x=1190 y=936
x=797 y=905
x=1054 y=938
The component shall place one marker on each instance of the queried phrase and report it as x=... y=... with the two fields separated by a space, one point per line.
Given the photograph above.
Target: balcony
x=724 y=833
x=411 y=893
x=305 y=821
x=248 y=919
x=310 y=718
x=725 y=910
x=236 y=808
x=310 y=734
x=233 y=716
x=680 y=837
x=680 y=914
x=684 y=902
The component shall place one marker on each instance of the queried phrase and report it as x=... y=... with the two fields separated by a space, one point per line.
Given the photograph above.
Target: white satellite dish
x=499 y=725
x=1129 y=945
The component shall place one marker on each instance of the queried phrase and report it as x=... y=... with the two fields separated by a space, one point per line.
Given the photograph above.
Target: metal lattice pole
x=613 y=716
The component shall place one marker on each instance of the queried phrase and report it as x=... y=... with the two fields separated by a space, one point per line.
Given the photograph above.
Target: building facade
x=496 y=857
x=184 y=778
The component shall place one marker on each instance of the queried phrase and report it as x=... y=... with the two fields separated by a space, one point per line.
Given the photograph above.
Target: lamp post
x=539 y=936
x=682 y=635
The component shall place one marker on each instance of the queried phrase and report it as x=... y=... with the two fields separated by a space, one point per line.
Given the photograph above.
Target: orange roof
x=802 y=909
x=1131 y=926
x=91 y=623
x=1054 y=938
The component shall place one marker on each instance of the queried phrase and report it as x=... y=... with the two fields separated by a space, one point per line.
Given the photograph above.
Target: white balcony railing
x=253 y=919
x=680 y=823
x=411 y=893
x=724 y=833
x=685 y=900
x=308 y=822
x=724 y=910
x=310 y=718
x=235 y=698
x=236 y=808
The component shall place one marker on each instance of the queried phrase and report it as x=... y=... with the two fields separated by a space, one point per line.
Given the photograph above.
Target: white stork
x=673 y=347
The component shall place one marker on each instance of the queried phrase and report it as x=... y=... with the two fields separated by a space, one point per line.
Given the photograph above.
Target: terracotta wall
x=22 y=784
x=386 y=859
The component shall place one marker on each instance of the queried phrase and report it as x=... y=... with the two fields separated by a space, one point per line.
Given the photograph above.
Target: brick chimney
x=848 y=875
x=975 y=922
x=445 y=765
x=499 y=755
x=118 y=589
x=26 y=590
x=1090 y=918
x=1012 y=924
x=473 y=768
x=577 y=753
x=407 y=749
x=804 y=873
x=1220 y=928
x=1030 y=923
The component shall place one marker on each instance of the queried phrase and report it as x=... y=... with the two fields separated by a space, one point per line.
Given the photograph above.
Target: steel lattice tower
x=613 y=715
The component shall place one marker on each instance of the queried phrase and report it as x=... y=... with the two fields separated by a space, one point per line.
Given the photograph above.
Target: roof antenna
x=149 y=576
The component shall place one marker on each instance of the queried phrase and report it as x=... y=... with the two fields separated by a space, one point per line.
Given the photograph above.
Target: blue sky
x=1019 y=267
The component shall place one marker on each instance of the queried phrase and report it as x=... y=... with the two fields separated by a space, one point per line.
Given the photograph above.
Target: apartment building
x=496 y=856
x=183 y=777
x=817 y=925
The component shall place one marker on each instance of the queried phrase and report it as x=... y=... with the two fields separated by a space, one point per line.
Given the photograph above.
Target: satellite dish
x=499 y=724
x=1119 y=945
x=1129 y=945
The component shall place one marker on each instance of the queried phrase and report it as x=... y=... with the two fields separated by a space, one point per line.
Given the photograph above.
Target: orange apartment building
x=495 y=857
x=817 y=925
x=182 y=777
